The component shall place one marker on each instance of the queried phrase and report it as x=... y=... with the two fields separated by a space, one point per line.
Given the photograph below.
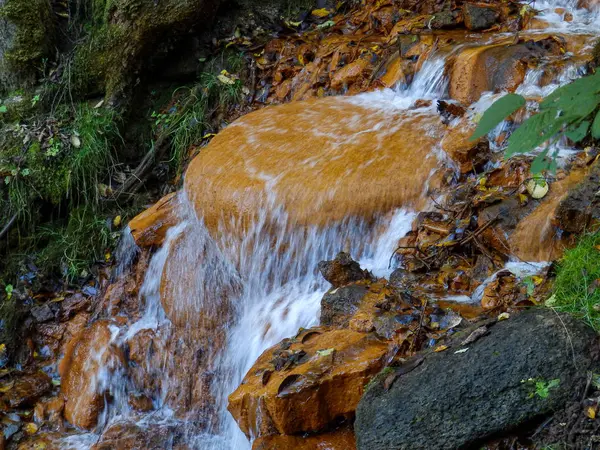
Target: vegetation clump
x=577 y=285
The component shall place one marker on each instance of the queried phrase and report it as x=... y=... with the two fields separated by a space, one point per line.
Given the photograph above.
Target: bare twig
x=8 y=226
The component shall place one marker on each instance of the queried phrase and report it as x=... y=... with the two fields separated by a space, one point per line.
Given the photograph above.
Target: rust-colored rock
x=494 y=68
x=324 y=159
x=150 y=227
x=342 y=270
x=129 y=436
x=88 y=357
x=27 y=389
x=322 y=375
x=466 y=153
x=349 y=74
x=336 y=440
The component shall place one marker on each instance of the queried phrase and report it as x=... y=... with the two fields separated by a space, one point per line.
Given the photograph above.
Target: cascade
x=229 y=282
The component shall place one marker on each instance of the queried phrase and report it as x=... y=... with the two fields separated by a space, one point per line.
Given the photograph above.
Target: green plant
x=188 y=118
x=73 y=248
x=541 y=387
x=569 y=111
x=577 y=284
x=34 y=101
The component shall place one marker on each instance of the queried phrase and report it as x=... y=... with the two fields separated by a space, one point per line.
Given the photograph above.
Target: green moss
x=576 y=288
x=34 y=36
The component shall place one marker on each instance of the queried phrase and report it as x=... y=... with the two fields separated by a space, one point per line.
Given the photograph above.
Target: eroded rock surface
x=308 y=382
x=469 y=392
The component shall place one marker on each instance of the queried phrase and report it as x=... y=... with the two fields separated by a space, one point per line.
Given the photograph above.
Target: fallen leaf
x=591 y=410
x=117 y=221
x=326 y=352
x=537 y=188
x=503 y=316
x=30 y=428
x=440 y=348
x=322 y=12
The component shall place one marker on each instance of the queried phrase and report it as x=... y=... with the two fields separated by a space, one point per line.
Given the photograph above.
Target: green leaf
x=540 y=163
x=577 y=134
x=533 y=132
x=3 y=109
x=570 y=96
x=496 y=113
x=596 y=127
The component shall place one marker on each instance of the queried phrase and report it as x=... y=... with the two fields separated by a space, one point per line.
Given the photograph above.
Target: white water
x=269 y=277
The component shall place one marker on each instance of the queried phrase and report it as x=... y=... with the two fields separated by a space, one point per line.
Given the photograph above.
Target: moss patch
x=33 y=37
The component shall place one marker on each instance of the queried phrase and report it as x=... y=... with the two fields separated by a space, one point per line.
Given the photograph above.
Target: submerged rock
x=348 y=166
x=89 y=357
x=470 y=392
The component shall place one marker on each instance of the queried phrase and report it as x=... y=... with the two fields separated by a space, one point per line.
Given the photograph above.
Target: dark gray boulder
x=456 y=400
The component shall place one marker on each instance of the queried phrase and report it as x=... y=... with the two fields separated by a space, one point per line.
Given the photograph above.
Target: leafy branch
x=570 y=111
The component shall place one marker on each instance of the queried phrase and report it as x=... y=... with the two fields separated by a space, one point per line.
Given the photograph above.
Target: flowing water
x=252 y=291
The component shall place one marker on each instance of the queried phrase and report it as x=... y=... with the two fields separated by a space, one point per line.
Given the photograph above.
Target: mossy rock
x=126 y=33
x=27 y=32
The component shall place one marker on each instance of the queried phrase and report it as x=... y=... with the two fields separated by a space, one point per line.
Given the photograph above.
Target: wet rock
x=89 y=358
x=340 y=304
x=580 y=209
x=483 y=390
x=50 y=411
x=495 y=67
x=349 y=74
x=363 y=193
x=480 y=16
x=129 y=436
x=342 y=270
x=42 y=313
x=72 y=305
x=336 y=440
x=500 y=293
x=140 y=402
x=150 y=227
x=322 y=387
x=468 y=154
x=27 y=389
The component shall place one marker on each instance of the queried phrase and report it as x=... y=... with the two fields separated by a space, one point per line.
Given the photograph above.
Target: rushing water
x=268 y=279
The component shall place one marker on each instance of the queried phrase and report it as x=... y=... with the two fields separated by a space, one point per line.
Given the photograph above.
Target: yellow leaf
x=117 y=221
x=301 y=59
x=7 y=387
x=503 y=316
x=225 y=79
x=591 y=412
x=440 y=348
x=31 y=428
x=107 y=256
x=323 y=12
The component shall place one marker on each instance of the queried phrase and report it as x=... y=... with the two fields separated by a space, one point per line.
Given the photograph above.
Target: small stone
x=479 y=17
x=42 y=313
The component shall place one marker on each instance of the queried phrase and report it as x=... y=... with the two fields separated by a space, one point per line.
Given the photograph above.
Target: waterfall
x=250 y=292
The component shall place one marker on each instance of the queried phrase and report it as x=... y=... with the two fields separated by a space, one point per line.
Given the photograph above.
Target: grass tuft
x=577 y=285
